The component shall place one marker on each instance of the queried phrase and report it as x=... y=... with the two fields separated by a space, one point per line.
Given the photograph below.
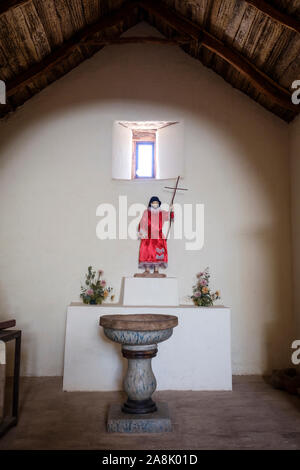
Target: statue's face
x=155 y=205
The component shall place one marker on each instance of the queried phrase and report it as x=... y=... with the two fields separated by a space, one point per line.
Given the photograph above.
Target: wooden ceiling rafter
x=283 y=18
x=81 y=38
x=137 y=40
x=257 y=78
x=6 y=5
x=187 y=32
x=263 y=6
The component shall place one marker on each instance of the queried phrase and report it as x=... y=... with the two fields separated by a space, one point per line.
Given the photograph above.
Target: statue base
x=151 y=290
x=146 y=274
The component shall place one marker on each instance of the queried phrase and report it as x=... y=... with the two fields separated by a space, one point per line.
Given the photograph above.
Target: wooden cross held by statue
x=172 y=200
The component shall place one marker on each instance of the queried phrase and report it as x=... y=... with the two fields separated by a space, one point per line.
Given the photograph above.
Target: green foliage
x=95 y=289
x=202 y=295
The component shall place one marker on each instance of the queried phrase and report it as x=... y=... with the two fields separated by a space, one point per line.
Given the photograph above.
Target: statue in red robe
x=153 y=248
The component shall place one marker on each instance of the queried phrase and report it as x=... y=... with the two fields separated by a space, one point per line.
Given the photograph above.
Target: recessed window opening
x=147 y=150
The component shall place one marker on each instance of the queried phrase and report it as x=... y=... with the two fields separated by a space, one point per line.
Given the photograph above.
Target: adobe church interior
x=150 y=224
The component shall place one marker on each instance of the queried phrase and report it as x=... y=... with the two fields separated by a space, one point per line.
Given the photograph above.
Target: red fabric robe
x=153 y=247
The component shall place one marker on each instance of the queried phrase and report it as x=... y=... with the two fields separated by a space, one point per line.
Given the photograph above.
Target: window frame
x=143 y=137
x=137 y=145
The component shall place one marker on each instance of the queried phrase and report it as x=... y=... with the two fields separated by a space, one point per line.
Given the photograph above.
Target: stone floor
x=252 y=416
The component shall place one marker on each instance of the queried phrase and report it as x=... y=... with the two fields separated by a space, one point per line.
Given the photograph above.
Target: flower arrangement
x=95 y=289
x=202 y=295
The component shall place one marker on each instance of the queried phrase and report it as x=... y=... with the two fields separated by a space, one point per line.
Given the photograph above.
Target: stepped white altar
x=196 y=357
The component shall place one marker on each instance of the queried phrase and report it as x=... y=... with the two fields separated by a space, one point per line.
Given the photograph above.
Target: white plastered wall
x=55 y=169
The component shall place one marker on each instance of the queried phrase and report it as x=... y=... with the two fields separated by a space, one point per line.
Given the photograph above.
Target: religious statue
x=153 y=248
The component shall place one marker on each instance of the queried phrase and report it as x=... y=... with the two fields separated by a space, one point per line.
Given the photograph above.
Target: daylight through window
x=144 y=167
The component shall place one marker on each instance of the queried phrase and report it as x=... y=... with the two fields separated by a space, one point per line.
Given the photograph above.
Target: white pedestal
x=196 y=357
x=151 y=291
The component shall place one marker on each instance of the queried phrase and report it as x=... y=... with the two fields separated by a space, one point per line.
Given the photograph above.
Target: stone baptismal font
x=139 y=335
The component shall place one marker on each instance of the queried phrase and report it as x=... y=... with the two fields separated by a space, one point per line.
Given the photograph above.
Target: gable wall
x=55 y=169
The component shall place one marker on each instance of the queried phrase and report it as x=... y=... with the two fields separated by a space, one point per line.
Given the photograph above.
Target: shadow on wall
x=122 y=75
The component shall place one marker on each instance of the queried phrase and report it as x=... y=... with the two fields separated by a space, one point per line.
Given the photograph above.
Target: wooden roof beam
x=178 y=41
x=185 y=27
x=283 y=18
x=69 y=46
x=6 y=5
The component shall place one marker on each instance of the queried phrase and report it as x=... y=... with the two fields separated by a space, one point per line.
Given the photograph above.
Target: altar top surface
x=119 y=305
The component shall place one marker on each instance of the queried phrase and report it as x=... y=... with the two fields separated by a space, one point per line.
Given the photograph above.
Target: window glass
x=144 y=160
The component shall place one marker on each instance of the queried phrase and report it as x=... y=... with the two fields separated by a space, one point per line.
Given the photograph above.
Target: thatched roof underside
x=253 y=44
